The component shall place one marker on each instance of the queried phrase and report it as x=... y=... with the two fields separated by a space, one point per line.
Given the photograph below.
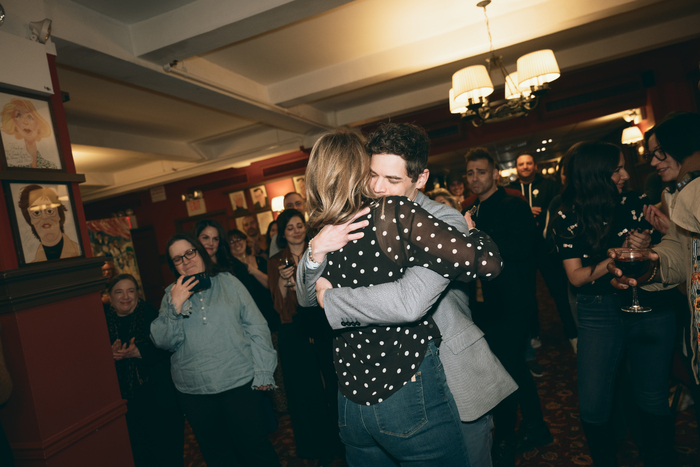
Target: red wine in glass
x=634 y=263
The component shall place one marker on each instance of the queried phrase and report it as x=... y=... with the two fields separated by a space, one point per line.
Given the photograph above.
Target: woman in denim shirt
x=223 y=357
x=596 y=215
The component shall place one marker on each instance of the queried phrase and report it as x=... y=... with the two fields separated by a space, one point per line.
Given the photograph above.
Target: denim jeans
x=605 y=332
x=479 y=439
x=418 y=425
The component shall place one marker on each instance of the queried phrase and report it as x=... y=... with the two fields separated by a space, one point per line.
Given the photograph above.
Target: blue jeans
x=605 y=332
x=418 y=425
x=479 y=438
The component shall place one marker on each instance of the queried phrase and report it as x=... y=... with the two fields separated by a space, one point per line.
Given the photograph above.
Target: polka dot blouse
x=374 y=362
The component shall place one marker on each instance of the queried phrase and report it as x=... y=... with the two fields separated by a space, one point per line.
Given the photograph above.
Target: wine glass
x=634 y=263
x=289 y=263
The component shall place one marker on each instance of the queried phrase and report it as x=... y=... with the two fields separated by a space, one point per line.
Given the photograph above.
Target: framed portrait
x=27 y=133
x=300 y=185
x=43 y=221
x=239 y=224
x=264 y=221
x=259 y=196
x=238 y=203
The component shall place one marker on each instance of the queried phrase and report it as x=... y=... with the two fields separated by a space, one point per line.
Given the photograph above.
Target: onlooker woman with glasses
x=223 y=356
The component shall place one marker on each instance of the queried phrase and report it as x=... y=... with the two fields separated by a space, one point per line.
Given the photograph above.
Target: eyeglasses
x=659 y=153
x=235 y=241
x=189 y=254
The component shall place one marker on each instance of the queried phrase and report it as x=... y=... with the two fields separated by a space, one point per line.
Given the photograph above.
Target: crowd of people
x=405 y=324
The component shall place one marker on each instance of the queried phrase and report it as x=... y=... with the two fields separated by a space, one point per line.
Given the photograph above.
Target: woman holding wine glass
x=305 y=340
x=596 y=216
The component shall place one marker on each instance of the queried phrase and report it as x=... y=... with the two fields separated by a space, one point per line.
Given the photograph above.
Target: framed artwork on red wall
x=27 y=133
x=44 y=222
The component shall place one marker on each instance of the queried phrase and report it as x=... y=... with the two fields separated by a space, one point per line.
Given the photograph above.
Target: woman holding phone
x=223 y=356
x=312 y=408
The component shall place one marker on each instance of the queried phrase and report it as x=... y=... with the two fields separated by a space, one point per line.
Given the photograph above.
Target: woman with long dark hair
x=597 y=215
x=213 y=237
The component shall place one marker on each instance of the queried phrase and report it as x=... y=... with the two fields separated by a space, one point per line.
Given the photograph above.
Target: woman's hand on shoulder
x=335 y=237
x=180 y=292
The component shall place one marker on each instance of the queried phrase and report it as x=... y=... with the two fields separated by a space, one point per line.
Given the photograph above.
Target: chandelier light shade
x=454 y=108
x=632 y=135
x=537 y=68
x=523 y=89
x=512 y=90
x=471 y=84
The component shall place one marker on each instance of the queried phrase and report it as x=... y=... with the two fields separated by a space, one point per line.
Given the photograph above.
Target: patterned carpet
x=557 y=389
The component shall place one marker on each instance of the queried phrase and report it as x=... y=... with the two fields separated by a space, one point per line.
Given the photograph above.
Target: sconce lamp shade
x=41 y=30
x=537 y=68
x=471 y=83
x=631 y=135
x=454 y=107
x=278 y=203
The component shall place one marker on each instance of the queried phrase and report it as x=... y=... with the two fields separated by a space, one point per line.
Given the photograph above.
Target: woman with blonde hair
x=21 y=119
x=443 y=196
x=384 y=370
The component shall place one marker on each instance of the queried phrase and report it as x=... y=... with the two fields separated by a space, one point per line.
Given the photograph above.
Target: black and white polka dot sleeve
x=411 y=236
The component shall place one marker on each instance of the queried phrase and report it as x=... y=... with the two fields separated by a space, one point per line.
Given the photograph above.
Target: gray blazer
x=475 y=376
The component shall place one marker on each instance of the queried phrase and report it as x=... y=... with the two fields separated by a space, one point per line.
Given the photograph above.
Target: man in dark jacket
x=504 y=312
x=539 y=192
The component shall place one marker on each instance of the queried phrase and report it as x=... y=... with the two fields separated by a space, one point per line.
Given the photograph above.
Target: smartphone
x=204 y=282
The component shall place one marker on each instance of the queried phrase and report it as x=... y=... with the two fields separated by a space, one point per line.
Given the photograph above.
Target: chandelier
x=472 y=85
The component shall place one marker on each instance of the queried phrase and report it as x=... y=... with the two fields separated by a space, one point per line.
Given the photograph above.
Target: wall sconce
x=278 y=204
x=193 y=196
x=632 y=135
x=41 y=30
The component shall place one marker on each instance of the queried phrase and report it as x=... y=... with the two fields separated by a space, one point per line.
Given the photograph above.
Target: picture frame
x=37 y=211
x=28 y=137
x=264 y=220
x=239 y=205
x=259 y=196
x=300 y=185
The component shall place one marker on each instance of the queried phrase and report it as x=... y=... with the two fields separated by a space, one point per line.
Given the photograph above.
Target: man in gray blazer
x=476 y=378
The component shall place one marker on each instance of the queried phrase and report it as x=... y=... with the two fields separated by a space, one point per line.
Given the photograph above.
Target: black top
x=154 y=364
x=566 y=228
x=374 y=362
x=508 y=220
x=538 y=193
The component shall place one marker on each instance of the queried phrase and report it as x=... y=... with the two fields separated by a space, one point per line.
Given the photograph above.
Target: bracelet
x=653 y=274
x=473 y=231
x=311 y=255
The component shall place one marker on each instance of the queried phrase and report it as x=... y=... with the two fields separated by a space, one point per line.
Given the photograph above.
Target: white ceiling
x=256 y=78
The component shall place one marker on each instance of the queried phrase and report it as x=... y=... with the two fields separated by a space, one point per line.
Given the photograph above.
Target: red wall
x=65 y=408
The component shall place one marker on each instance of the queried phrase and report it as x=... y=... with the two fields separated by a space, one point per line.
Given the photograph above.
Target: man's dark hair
x=526 y=153
x=476 y=154
x=679 y=135
x=406 y=140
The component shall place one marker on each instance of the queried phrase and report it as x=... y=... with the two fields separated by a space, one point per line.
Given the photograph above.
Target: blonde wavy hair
x=24 y=106
x=337 y=179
